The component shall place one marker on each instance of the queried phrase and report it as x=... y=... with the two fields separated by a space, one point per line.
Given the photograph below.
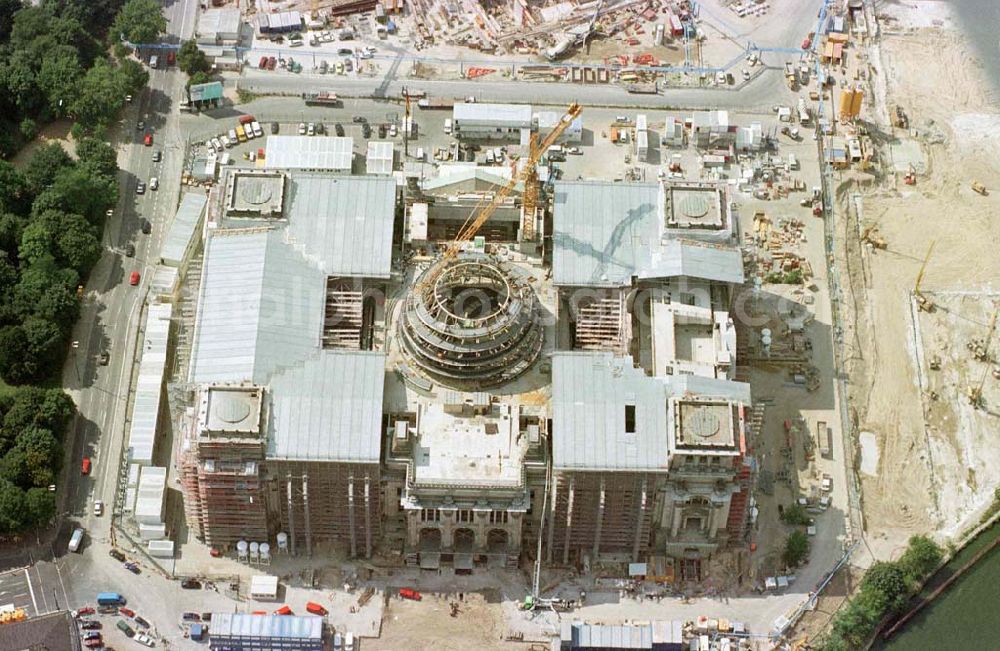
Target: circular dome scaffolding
x=474 y=325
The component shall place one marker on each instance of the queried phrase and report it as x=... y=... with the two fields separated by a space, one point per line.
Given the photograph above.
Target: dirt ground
x=54 y=132
x=922 y=481
x=428 y=624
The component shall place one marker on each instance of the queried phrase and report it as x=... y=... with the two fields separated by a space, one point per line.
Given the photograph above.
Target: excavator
x=871 y=236
x=981 y=352
x=478 y=217
x=924 y=304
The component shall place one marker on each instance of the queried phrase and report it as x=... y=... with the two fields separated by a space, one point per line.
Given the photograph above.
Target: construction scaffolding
x=601 y=513
x=327 y=502
x=343 y=317
x=600 y=323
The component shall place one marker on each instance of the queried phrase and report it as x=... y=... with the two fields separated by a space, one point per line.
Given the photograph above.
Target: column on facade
x=305 y=511
x=640 y=519
x=717 y=518
x=600 y=519
x=350 y=514
x=569 y=521
x=368 y=516
x=675 y=526
x=552 y=519
x=291 y=517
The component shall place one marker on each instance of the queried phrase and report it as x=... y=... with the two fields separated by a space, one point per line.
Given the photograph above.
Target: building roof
x=590 y=392
x=183 y=227
x=605 y=233
x=263 y=584
x=218 y=22
x=205 y=92
x=601 y=231
x=502 y=115
x=309 y=153
x=329 y=408
x=343 y=223
x=260 y=320
x=52 y=632
x=150 y=494
x=380 y=158
x=149 y=387
x=290 y=627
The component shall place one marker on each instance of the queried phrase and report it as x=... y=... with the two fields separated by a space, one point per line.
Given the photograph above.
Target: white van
x=232 y=138
x=76 y=540
x=447 y=125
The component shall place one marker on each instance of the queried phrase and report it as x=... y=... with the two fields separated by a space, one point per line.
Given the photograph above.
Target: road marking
x=62 y=585
x=33 y=601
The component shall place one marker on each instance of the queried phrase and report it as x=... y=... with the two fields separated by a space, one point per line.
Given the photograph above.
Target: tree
x=856 y=621
x=57 y=78
x=45 y=164
x=51 y=409
x=79 y=190
x=12 y=505
x=14 y=366
x=101 y=92
x=14 y=192
x=7 y=10
x=796 y=549
x=98 y=157
x=39 y=506
x=922 y=556
x=11 y=227
x=795 y=514
x=886 y=582
x=46 y=345
x=41 y=456
x=191 y=59
x=48 y=291
x=138 y=21
x=198 y=78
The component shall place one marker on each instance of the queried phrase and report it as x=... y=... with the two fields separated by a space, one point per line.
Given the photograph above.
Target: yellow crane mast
x=478 y=218
x=923 y=303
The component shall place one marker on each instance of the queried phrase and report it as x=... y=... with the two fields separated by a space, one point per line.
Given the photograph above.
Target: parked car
x=206 y=617
x=85 y=466
x=575 y=150
x=262 y=64
x=360 y=119
x=191 y=617
x=98 y=504
x=90 y=625
x=130 y=566
x=381 y=131
x=140 y=188
x=117 y=555
x=140 y=125
x=147 y=228
x=392 y=130
x=93 y=644
x=91 y=635
x=128 y=612
x=274 y=127
x=129 y=250
x=124 y=627
x=302 y=128
x=272 y=63
x=142 y=638
x=154 y=183
x=311 y=129
x=339 y=129
x=191 y=584
x=141 y=621
x=171 y=58
x=366 y=130
x=104 y=358
x=86 y=610
x=133 y=279
x=157 y=156
x=148 y=140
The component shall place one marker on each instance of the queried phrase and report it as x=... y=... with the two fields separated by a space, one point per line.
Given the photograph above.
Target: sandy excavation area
x=932 y=465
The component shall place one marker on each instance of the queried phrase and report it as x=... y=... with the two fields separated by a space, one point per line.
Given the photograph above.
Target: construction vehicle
x=479 y=217
x=899 y=118
x=872 y=236
x=979 y=188
x=923 y=303
x=910 y=178
x=981 y=348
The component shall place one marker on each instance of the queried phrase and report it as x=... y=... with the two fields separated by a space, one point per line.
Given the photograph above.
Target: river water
x=980 y=22
x=964 y=616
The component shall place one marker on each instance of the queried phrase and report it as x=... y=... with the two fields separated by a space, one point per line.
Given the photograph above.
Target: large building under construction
x=565 y=382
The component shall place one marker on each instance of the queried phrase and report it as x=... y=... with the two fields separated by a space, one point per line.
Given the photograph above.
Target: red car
x=128 y=612
x=85 y=466
x=148 y=140
x=84 y=611
x=410 y=593
x=96 y=643
x=262 y=64
x=284 y=610
x=133 y=280
x=171 y=57
x=315 y=608
x=272 y=63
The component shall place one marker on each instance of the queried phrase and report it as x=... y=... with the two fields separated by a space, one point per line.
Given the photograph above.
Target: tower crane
x=923 y=303
x=479 y=217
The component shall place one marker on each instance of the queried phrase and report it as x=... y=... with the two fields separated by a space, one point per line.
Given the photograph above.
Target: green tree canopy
x=79 y=190
x=886 y=582
x=138 y=21
x=796 y=549
x=191 y=59
x=15 y=367
x=39 y=506
x=15 y=196
x=922 y=556
x=12 y=507
x=45 y=164
x=98 y=157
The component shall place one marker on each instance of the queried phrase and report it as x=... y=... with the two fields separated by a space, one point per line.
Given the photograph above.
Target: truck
x=824 y=439
x=436 y=104
x=321 y=99
x=110 y=599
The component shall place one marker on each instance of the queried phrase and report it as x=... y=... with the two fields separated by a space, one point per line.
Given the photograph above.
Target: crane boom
x=477 y=219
